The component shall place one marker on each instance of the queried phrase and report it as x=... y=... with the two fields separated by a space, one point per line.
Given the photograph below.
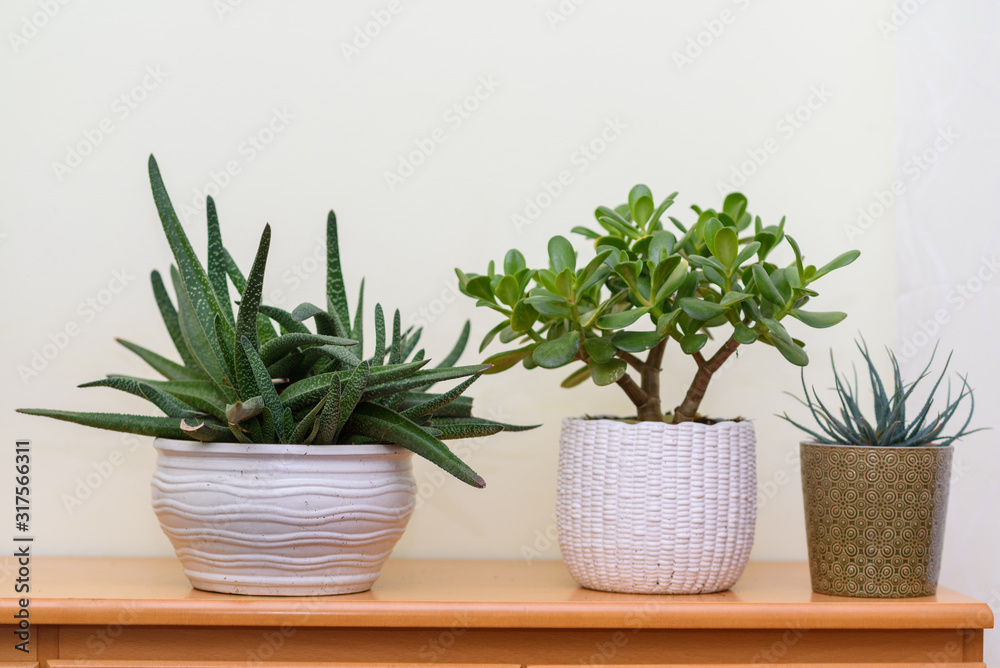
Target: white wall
x=949 y=254
x=684 y=127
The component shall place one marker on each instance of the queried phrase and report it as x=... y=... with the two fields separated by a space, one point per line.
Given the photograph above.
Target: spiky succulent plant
x=890 y=427
x=241 y=379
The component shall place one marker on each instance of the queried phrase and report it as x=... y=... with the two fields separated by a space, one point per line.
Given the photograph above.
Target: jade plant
x=847 y=423
x=241 y=379
x=645 y=286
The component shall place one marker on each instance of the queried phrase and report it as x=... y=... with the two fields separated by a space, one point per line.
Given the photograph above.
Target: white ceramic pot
x=654 y=508
x=282 y=520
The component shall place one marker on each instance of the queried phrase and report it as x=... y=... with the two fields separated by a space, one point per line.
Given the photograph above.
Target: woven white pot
x=654 y=508
x=282 y=520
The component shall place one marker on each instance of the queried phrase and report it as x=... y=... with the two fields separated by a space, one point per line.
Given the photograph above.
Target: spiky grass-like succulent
x=890 y=427
x=241 y=379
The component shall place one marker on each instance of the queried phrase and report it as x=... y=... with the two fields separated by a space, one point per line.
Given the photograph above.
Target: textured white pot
x=653 y=508
x=282 y=520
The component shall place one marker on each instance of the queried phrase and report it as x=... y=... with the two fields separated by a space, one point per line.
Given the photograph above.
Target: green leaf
x=304 y=429
x=419 y=379
x=508 y=358
x=205 y=305
x=743 y=334
x=378 y=358
x=144 y=425
x=600 y=348
x=170 y=320
x=283 y=318
x=734 y=297
x=326 y=323
x=166 y=368
x=818 y=319
x=217 y=262
x=558 y=352
x=664 y=205
x=621 y=319
x=586 y=232
x=577 y=377
x=386 y=426
x=508 y=291
x=561 y=254
x=726 y=247
x=514 y=262
x=203 y=344
x=564 y=283
x=747 y=252
x=490 y=335
x=396 y=347
x=701 y=309
x=246 y=319
x=635 y=342
x=640 y=203
x=607 y=373
x=265 y=386
x=329 y=418
x=735 y=205
x=170 y=406
x=463 y=428
x=694 y=342
x=523 y=317
x=664 y=322
x=336 y=292
x=277 y=348
x=434 y=403
x=672 y=282
x=203 y=395
x=479 y=287
x=351 y=392
x=765 y=286
x=791 y=352
x=712 y=226
x=841 y=260
x=456 y=351
x=777 y=329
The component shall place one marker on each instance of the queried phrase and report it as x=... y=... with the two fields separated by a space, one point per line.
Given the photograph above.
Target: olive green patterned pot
x=875 y=518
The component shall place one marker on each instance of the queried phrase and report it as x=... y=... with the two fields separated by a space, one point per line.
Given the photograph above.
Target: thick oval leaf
x=613 y=242
x=734 y=205
x=747 y=252
x=700 y=309
x=561 y=254
x=726 y=246
x=523 y=316
x=508 y=291
x=480 y=287
x=661 y=246
x=585 y=232
x=621 y=319
x=765 y=286
x=791 y=352
x=607 y=373
x=711 y=229
x=692 y=343
x=558 y=352
x=600 y=349
x=819 y=319
x=640 y=203
x=513 y=262
x=743 y=334
x=635 y=342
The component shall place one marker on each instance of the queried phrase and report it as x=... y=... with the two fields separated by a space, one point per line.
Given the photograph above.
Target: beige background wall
x=199 y=80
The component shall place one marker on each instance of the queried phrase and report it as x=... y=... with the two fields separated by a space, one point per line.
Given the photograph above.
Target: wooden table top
x=470 y=593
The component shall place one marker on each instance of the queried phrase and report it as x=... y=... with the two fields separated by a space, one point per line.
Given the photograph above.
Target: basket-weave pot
x=282 y=520
x=875 y=518
x=653 y=508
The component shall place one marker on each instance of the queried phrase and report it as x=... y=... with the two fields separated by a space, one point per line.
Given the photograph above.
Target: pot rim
x=877 y=447
x=621 y=421
x=266 y=449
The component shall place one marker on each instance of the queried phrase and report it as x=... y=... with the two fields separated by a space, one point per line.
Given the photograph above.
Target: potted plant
x=656 y=503
x=876 y=491
x=283 y=461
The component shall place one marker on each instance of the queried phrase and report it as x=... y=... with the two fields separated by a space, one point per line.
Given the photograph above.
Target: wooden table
x=118 y=612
